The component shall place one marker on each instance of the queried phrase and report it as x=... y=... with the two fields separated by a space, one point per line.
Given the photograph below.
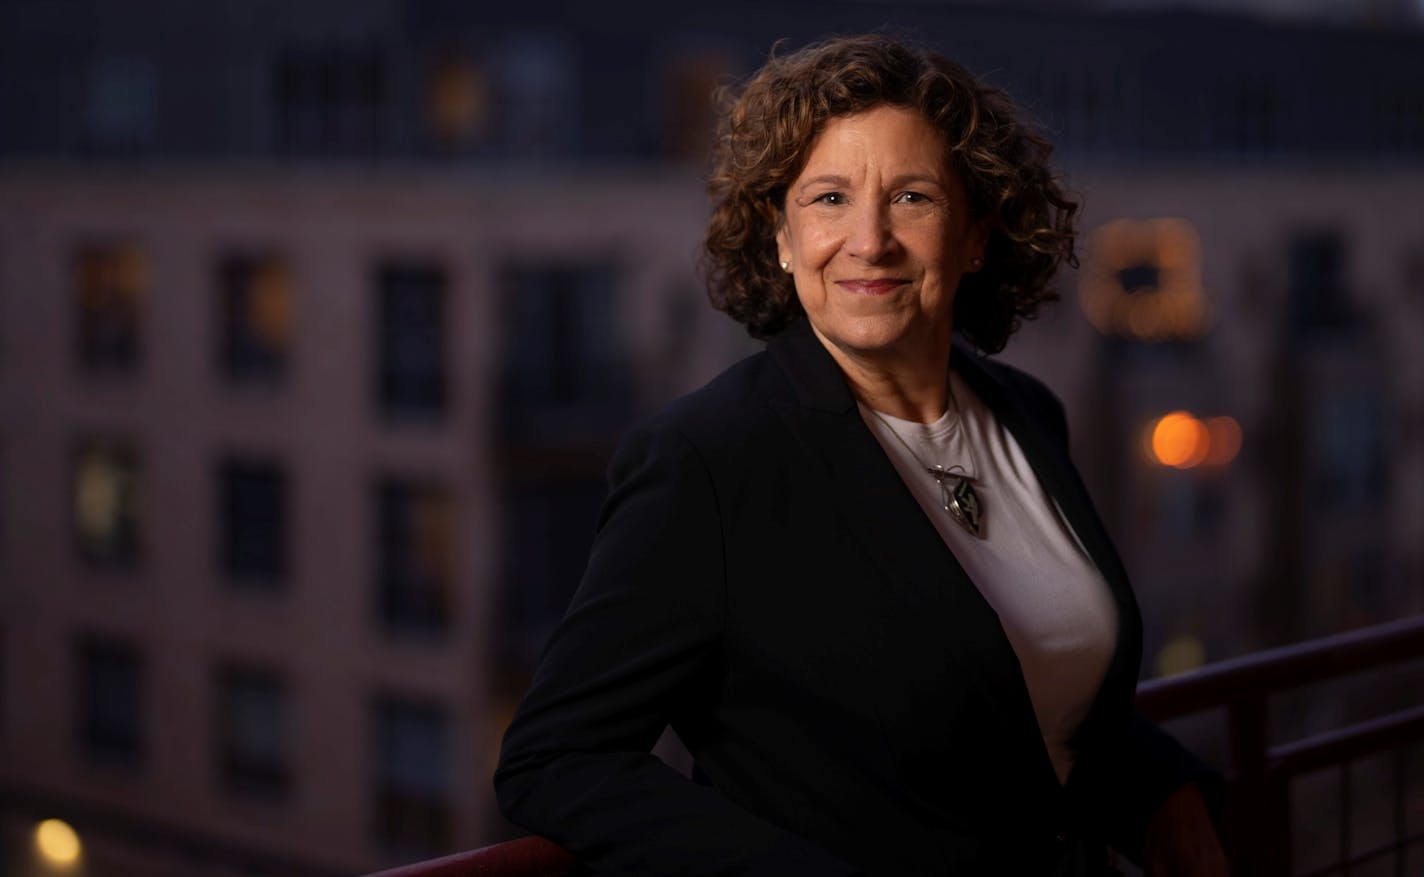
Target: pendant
x=959 y=500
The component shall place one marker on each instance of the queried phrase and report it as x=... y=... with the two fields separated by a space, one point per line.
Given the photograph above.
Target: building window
x=253 y=511
x=108 y=502
x=1347 y=458
x=411 y=378
x=111 y=701
x=541 y=510
x=1317 y=297
x=330 y=100
x=256 y=326
x=458 y=104
x=566 y=374
x=110 y=282
x=1248 y=113
x=253 y=732
x=123 y=103
x=539 y=106
x=690 y=107
x=415 y=539
x=412 y=777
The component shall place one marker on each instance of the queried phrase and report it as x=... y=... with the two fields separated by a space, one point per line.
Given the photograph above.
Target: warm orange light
x=1225 y=440
x=1174 y=307
x=1180 y=440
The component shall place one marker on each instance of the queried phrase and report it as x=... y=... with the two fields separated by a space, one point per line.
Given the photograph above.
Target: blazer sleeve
x=640 y=643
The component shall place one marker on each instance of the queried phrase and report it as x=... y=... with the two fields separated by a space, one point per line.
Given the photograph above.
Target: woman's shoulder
x=1021 y=389
x=725 y=413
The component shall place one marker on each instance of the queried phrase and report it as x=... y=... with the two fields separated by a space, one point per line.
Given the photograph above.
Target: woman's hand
x=1181 y=841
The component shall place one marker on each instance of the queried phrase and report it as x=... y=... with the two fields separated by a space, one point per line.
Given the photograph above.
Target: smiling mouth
x=870 y=287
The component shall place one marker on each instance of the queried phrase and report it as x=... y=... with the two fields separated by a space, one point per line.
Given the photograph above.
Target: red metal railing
x=525 y=857
x=1259 y=773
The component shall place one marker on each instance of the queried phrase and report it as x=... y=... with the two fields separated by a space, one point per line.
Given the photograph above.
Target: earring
x=976 y=263
x=785 y=265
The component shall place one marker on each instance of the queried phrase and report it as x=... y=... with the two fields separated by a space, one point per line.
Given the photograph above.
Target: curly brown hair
x=767 y=130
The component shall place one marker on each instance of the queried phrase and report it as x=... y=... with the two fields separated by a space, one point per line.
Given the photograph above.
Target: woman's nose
x=870 y=236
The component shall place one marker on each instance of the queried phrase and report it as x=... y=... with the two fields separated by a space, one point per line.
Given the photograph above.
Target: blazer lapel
x=1025 y=420
x=923 y=582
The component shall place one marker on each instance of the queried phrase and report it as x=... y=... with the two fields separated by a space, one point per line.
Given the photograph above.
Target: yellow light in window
x=98 y=495
x=1180 y=655
x=57 y=842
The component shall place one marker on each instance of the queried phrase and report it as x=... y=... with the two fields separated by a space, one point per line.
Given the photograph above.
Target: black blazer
x=763 y=581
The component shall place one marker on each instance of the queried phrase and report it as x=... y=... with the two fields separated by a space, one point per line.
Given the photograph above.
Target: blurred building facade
x=319 y=321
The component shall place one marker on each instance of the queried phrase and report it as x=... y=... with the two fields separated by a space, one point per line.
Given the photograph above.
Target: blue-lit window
x=123 y=103
x=253 y=732
x=413 y=770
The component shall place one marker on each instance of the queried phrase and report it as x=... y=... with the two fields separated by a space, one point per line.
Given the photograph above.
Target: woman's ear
x=783 y=243
x=978 y=238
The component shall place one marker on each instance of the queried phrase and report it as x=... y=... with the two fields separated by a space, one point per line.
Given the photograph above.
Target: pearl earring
x=785 y=265
x=976 y=263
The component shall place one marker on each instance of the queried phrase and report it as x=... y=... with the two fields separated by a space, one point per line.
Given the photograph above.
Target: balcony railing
x=1258 y=829
x=1260 y=773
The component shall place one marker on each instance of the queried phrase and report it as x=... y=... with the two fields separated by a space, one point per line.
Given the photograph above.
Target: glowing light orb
x=57 y=842
x=1225 y=438
x=1180 y=440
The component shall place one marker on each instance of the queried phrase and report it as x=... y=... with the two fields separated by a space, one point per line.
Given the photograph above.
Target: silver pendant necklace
x=956 y=489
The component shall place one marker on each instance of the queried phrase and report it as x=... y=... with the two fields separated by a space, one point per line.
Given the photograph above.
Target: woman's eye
x=832 y=198
x=913 y=198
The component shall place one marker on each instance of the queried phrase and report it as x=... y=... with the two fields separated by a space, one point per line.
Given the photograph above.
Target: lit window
x=416 y=542
x=459 y=103
x=108 y=502
x=253 y=511
x=413 y=777
x=256 y=319
x=110 y=284
x=690 y=108
x=411 y=359
x=252 y=729
x=111 y=701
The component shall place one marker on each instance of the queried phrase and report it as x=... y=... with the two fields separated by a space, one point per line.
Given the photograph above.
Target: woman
x=857 y=572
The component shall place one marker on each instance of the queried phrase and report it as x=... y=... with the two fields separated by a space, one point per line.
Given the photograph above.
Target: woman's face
x=876 y=234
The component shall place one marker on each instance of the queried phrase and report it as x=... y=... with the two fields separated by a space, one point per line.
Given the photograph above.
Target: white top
x=1054 y=605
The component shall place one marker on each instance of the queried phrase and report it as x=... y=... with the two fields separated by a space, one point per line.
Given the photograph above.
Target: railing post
x=1259 y=801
